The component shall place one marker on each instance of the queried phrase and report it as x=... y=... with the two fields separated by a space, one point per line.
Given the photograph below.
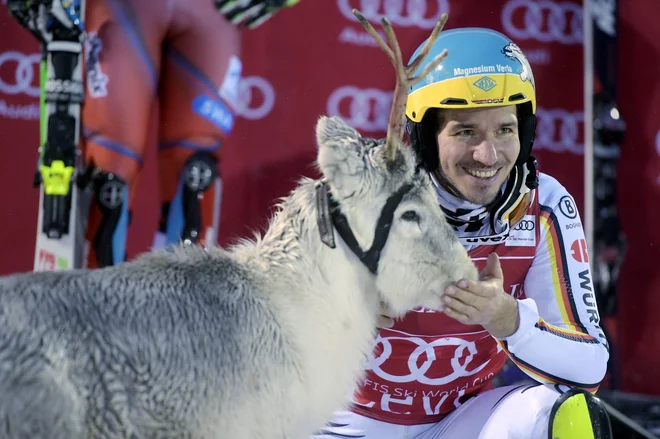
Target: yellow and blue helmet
x=484 y=68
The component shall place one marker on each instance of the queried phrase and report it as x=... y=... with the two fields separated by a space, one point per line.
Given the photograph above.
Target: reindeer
x=261 y=340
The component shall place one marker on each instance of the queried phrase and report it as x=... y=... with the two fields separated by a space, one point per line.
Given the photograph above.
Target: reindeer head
x=384 y=207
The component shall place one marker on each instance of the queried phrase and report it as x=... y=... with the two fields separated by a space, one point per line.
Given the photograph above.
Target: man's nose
x=485 y=153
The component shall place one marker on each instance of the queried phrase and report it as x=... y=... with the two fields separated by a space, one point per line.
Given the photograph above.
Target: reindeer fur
x=263 y=340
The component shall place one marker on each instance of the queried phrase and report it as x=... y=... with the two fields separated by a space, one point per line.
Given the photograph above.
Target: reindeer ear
x=341 y=154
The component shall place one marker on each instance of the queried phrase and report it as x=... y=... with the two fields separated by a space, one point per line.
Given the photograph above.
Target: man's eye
x=465 y=133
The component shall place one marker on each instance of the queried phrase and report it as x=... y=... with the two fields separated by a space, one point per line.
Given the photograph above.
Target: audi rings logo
x=463 y=349
x=256 y=98
x=365 y=109
x=543 y=20
x=559 y=130
x=525 y=225
x=406 y=13
x=19 y=73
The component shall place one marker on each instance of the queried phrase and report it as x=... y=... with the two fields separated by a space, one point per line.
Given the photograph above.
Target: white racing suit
x=429 y=376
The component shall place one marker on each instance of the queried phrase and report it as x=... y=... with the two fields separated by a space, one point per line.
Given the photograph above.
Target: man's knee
x=579 y=414
x=108 y=220
x=193 y=214
x=199 y=174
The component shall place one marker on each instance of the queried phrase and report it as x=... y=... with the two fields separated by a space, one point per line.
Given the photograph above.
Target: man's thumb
x=493 y=268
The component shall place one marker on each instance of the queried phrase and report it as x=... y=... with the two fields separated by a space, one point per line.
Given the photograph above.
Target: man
x=472 y=123
x=184 y=56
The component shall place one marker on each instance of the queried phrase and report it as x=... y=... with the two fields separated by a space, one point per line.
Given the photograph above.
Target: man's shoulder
x=557 y=202
x=551 y=193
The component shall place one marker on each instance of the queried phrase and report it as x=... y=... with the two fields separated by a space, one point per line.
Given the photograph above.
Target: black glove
x=251 y=13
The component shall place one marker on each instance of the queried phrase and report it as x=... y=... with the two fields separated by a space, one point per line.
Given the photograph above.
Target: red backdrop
x=316 y=59
x=639 y=195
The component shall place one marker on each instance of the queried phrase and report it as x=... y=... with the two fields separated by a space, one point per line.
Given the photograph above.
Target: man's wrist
x=509 y=322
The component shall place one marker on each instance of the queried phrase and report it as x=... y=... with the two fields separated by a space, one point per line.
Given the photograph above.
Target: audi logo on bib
x=425 y=352
x=525 y=225
x=415 y=373
x=19 y=73
x=405 y=13
x=363 y=109
x=256 y=98
x=544 y=21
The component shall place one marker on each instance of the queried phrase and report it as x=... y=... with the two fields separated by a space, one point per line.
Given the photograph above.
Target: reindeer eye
x=410 y=215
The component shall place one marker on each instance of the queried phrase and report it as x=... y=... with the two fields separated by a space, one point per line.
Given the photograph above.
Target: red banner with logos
x=309 y=60
x=325 y=63
x=316 y=59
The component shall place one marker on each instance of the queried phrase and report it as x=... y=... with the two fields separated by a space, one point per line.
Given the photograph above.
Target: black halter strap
x=329 y=215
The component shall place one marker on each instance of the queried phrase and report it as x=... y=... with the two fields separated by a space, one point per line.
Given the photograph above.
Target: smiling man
x=479 y=149
x=472 y=123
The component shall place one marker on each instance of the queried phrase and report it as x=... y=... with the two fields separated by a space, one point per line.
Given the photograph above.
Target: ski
x=58 y=24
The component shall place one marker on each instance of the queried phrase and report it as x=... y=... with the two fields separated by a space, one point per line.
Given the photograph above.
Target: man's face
x=477 y=149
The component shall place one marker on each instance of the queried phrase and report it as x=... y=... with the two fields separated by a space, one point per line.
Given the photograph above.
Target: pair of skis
x=58 y=25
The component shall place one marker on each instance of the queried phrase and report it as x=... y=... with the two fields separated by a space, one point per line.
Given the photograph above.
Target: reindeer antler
x=404 y=74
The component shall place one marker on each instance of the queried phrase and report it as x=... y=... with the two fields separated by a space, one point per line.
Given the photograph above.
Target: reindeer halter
x=329 y=215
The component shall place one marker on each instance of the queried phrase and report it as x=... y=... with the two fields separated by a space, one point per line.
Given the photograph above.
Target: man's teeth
x=482 y=174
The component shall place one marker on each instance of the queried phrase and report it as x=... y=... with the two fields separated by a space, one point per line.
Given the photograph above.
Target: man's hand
x=484 y=302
